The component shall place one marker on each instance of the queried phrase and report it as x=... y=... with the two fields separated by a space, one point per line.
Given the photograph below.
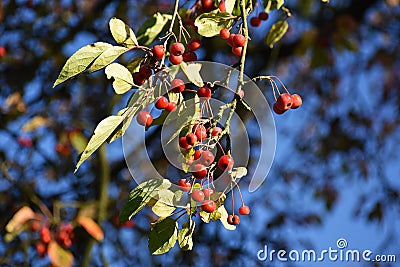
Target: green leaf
x=134 y=64
x=224 y=218
x=103 y=130
x=164 y=207
x=273 y=4
x=59 y=256
x=152 y=28
x=107 y=57
x=80 y=60
x=276 y=32
x=140 y=196
x=185 y=235
x=192 y=71
x=122 y=33
x=210 y=24
x=123 y=80
x=163 y=236
x=230 y=5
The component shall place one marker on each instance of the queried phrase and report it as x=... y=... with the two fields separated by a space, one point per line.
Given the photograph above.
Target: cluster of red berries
x=236 y=41
x=235 y=219
x=142 y=75
x=287 y=101
x=177 y=51
x=256 y=21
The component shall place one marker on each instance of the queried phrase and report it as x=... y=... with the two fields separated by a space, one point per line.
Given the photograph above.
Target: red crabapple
x=144 y=118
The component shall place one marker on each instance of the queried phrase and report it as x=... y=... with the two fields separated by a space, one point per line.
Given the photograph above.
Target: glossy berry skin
x=296 y=101
x=208 y=192
x=225 y=162
x=145 y=70
x=284 y=101
x=208 y=206
x=189 y=56
x=144 y=118
x=177 y=85
x=184 y=185
x=171 y=107
x=199 y=171
x=239 y=40
x=198 y=195
x=45 y=235
x=222 y=6
x=277 y=110
x=158 y=51
x=200 y=131
x=244 y=210
x=194 y=44
x=230 y=219
x=176 y=60
x=191 y=139
x=235 y=220
x=216 y=131
x=183 y=143
x=162 y=102
x=207 y=157
x=207 y=5
x=255 y=22
x=204 y=92
x=224 y=33
x=263 y=16
x=237 y=51
x=177 y=49
x=230 y=40
x=138 y=78
x=197 y=154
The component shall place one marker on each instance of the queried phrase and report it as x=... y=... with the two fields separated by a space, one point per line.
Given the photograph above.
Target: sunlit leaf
x=230 y=5
x=152 y=28
x=59 y=257
x=107 y=57
x=91 y=227
x=122 y=33
x=185 y=235
x=78 y=141
x=134 y=64
x=163 y=235
x=123 y=80
x=224 y=218
x=164 y=206
x=276 y=32
x=192 y=71
x=238 y=172
x=19 y=219
x=270 y=5
x=210 y=24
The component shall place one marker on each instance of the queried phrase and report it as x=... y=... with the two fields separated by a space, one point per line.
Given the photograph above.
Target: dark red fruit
x=263 y=16
x=63 y=148
x=177 y=49
x=35 y=225
x=244 y=210
x=216 y=131
x=230 y=40
x=236 y=219
x=225 y=162
x=222 y=6
x=176 y=60
x=2 y=51
x=27 y=142
x=145 y=71
x=45 y=235
x=162 y=102
x=296 y=101
x=204 y=92
x=255 y=22
x=138 y=78
x=158 y=51
x=198 y=195
x=171 y=107
x=208 y=192
x=207 y=5
x=197 y=154
x=41 y=249
x=189 y=56
x=224 y=33
x=207 y=157
x=239 y=40
x=200 y=131
x=284 y=101
x=184 y=185
x=230 y=219
x=208 y=206
x=194 y=44
x=183 y=143
x=237 y=51
x=199 y=171
x=144 y=118
x=191 y=138
x=277 y=110
x=177 y=86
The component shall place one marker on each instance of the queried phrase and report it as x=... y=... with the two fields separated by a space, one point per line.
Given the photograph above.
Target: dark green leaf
x=163 y=236
x=152 y=28
x=185 y=235
x=276 y=32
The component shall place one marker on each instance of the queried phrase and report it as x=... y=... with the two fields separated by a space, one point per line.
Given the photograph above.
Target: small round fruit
x=189 y=56
x=222 y=6
x=208 y=192
x=230 y=40
x=277 y=110
x=225 y=162
x=296 y=101
x=158 y=51
x=183 y=143
x=200 y=131
x=236 y=219
x=171 y=107
x=216 y=131
x=255 y=22
x=284 y=101
x=41 y=249
x=239 y=40
x=176 y=60
x=145 y=70
x=162 y=102
x=194 y=44
x=204 y=92
x=207 y=5
x=198 y=195
x=197 y=153
x=207 y=157
x=177 y=86
x=224 y=33
x=191 y=138
x=2 y=51
x=230 y=219
x=177 y=49
x=244 y=210
x=138 y=78
x=199 y=171
x=208 y=206
x=184 y=185
x=144 y=118
x=263 y=16
x=237 y=51
x=45 y=235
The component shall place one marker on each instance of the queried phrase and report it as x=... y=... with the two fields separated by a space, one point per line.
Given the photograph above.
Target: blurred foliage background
x=336 y=170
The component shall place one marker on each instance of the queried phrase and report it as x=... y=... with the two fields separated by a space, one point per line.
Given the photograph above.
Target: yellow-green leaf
x=273 y=4
x=192 y=71
x=123 y=80
x=276 y=32
x=107 y=57
x=164 y=206
x=210 y=24
x=122 y=33
x=152 y=28
x=163 y=235
x=185 y=235
x=59 y=257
